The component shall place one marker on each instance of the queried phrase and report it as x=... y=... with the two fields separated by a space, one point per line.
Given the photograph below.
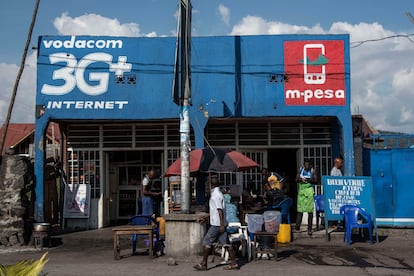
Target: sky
x=382 y=71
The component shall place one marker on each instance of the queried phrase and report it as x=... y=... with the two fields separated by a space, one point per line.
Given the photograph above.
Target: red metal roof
x=17 y=133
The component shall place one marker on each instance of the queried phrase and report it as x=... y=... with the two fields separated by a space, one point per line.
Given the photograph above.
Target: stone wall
x=16 y=204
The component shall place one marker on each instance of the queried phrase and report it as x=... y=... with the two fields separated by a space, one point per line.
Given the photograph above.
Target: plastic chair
x=355 y=217
x=144 y=220
x=239 y=236
x=319 y=209
x=284 y=207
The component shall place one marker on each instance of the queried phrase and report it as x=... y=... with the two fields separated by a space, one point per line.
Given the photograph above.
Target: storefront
x=278 y=99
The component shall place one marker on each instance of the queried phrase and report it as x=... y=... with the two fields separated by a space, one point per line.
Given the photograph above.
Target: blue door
x=403 y=176
x=392 y=172
x=382 y=181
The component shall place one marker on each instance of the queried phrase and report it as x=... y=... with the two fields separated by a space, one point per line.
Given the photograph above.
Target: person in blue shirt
x=305 y=204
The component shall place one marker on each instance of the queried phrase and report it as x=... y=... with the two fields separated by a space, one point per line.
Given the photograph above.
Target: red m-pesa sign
x=315 y=72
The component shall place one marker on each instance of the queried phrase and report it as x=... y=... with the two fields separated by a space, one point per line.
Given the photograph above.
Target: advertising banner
x=77 y=201
x=316 y=73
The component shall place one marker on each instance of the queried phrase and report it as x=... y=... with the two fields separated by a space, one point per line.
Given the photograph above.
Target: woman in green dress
x=305 y=204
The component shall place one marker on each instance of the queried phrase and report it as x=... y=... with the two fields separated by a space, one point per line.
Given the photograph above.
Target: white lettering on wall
x=72 y=73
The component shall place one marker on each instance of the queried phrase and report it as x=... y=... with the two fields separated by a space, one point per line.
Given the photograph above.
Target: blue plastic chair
x=355 y=217
x=319 y=208
x=143 y=220
x=284 y=207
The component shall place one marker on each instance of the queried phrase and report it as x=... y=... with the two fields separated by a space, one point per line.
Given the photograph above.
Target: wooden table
x=264 y=250
x=130 y=230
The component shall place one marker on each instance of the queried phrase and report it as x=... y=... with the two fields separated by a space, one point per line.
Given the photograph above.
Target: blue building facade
x=279 y=99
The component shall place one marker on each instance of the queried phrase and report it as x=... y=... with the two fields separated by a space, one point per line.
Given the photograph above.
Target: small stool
x=39 y=237
x=257 y=250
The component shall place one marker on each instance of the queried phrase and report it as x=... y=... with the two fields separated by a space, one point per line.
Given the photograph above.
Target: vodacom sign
x=316 y=72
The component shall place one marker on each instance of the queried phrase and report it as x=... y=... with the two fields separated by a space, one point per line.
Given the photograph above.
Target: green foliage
x=24 y=268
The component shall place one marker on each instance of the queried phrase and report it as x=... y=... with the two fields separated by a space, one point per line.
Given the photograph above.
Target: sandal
x=200 y=267
x=231 y=267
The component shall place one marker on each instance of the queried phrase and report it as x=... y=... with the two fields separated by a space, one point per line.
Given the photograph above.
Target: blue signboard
x=341 y=190
x=132 y=78
x=102 y=77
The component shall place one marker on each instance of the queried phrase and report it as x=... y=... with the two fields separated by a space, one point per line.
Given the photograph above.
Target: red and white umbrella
x=211 y=159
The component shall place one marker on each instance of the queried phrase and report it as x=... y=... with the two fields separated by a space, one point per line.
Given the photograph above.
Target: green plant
x=24 y=268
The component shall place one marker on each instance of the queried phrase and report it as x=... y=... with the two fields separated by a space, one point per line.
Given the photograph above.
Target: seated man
x=273 y=192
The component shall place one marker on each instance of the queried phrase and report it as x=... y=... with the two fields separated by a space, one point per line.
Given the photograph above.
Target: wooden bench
x=257 y=250
x=130 y=230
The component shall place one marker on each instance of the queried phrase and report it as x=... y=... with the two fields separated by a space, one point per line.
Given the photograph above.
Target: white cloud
x=95 y=24
x=23 y=108
x=251 y=25
x=382 y=72
x=224 y=14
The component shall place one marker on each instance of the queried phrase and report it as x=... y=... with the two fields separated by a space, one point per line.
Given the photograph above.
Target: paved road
x=91 y=253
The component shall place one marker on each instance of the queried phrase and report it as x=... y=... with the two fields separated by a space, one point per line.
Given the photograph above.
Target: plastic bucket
x=254 y=223
x=271 y=221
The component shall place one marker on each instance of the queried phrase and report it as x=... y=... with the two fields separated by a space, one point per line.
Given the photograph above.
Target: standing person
x=337 y=168
x=217 y=230
x=305 y=177
x=148 y=195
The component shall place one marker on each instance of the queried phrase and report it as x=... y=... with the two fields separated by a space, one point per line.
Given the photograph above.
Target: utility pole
x=185 y=102
x=19 y=75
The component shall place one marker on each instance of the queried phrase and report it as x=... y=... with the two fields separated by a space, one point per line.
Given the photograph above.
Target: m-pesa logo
x=315 y=71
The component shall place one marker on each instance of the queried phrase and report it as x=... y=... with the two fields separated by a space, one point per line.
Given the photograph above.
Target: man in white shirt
x=217 y=230
x=337 y=168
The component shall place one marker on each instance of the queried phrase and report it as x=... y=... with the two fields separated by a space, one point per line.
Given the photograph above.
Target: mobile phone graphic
x=313 y=71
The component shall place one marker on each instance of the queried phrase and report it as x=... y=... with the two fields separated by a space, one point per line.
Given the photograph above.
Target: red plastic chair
x=355 y=217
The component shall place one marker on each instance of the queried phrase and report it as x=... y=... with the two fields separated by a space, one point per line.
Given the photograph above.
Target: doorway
x=284 y=161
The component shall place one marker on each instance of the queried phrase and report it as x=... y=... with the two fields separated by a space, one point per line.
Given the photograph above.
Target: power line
x=359 y=43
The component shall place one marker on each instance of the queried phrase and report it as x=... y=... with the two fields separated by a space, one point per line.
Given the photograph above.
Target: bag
x=284 y=233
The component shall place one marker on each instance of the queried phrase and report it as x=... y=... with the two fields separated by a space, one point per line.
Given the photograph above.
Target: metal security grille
x=119 y=136
x=149 y=135
x=253 y=134
x=321 y=158
x=83 y=168
x=317 y=134
x=222 y=134
x=83 y=136
x=284 y=134
x=255 y=175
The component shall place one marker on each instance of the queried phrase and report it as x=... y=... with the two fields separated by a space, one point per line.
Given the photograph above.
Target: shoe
x=200 y=267
x=310 y=232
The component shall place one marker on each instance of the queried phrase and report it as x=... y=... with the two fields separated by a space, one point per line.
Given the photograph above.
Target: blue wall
x=231 y=76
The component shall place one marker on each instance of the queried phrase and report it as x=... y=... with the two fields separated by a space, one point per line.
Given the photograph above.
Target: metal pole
x=185 y=104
